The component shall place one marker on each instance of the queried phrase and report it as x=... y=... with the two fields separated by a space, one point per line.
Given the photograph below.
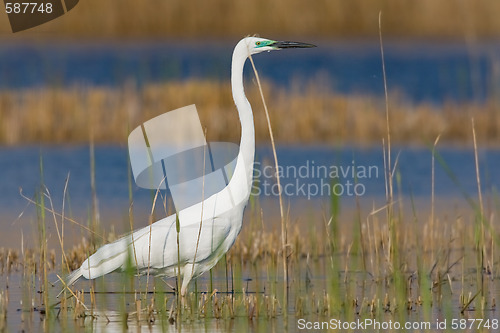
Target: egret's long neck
x=244 y=165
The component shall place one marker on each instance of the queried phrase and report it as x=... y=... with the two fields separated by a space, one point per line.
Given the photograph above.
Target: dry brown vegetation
x=439 y=269
x=293 y=18
x=310 y=115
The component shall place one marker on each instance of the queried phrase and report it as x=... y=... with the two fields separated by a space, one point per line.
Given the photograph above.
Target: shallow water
x=111 y=303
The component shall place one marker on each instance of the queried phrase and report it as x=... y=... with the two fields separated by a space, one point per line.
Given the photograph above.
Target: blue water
x=433 y=72
x=303 y=168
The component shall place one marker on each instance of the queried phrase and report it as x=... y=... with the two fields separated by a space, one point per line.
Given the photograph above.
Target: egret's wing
x=155 y=246
x=107 y=258
x=212 y=235
x=163 y=253
x=116 y=255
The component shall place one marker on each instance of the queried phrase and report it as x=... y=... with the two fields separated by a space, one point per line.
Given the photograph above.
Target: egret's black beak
x=291 y=45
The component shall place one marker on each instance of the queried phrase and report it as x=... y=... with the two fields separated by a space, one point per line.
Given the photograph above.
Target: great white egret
x=153 y=248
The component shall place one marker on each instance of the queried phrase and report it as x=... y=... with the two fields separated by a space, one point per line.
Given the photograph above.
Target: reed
x=333 y=18
x=284 y=224
x=4 y=301
x=66 y=115
x=43 y=265
x=347 y=293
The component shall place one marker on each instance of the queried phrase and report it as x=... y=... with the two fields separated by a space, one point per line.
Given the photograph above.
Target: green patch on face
x=263 y=43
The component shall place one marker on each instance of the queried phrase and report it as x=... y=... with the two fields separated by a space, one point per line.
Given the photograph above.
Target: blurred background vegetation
x=428 y=19
x=106 y=114
x=71 y=114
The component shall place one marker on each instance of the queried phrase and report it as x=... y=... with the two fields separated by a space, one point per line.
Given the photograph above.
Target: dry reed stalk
x=481 y=246
x=63 y=210
x=59 y=233
x=138 y=309
x=284 y=240
x=202 y=204
x=4 y=301
x=131 y=216
x=478 y=179
x=95 y=203
x=151 y=217
x=433 y=181
x=178 y=293
x=60 y=215
x=388 y=166
x=76 y=296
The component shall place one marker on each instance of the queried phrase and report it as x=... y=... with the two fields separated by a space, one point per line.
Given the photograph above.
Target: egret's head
x=256 y=45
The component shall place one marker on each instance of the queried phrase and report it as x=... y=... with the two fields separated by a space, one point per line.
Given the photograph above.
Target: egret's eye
x=257 y=43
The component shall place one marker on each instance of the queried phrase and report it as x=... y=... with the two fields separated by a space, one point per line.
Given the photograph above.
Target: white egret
x=153 y=248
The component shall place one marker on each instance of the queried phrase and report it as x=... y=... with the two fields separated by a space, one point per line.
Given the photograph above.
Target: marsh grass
x=438 y=274
x=4 y=301
x=67 y=115
x=293 y=18
x=43 y=242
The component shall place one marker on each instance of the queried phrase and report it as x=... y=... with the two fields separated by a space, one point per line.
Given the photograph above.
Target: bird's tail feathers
x=70 y=279
x=73 y=276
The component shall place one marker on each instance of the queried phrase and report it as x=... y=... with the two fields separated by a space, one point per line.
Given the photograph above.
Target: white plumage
x=222 y=212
